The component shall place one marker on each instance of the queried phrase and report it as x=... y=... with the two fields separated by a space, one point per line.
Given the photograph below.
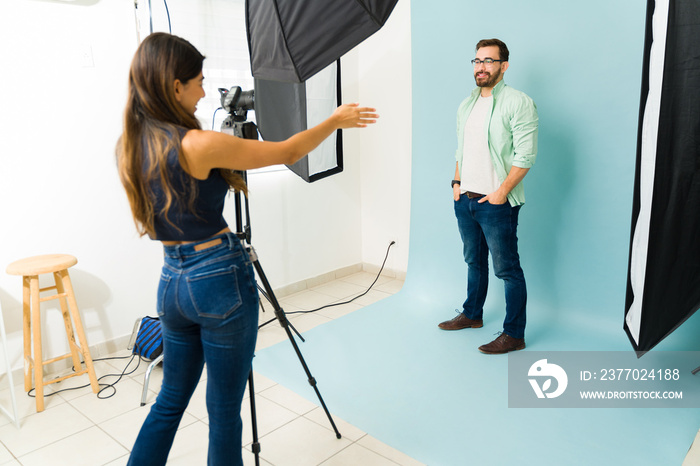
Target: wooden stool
x=30 y=269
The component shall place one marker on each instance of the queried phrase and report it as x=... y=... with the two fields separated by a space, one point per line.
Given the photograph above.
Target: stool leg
x=77 y=365
x=36 y=336
x=85 y=351
x=27 y=326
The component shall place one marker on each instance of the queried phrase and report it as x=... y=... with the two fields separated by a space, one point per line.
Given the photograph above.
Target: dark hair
x=153 y=123
x=502 y=48
x=159 y=61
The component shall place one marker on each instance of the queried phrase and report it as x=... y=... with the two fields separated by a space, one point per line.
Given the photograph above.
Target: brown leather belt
x=208 y=244
x=472 y=195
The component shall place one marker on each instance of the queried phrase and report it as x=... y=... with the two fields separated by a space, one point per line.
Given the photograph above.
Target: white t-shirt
x=478 y=174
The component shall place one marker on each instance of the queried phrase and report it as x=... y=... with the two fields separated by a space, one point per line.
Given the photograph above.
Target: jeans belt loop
x=177 y=252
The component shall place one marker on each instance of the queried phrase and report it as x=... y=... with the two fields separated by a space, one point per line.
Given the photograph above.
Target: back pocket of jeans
x=163 y=286
x=215 y=293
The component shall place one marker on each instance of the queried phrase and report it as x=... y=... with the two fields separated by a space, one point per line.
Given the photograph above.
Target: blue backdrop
x=390 y=371
x=581 y=63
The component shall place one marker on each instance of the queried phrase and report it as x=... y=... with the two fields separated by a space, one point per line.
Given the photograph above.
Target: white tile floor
x=77 y=428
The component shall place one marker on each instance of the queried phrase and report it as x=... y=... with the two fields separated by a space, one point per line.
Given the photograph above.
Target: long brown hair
x=153 y=123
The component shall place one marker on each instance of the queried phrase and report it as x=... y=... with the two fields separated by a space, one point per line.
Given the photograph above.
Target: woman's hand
x=354 y=116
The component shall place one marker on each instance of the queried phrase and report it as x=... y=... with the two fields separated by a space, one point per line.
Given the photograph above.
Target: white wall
x=384 y=74
x=59 y=190
x=64 y=80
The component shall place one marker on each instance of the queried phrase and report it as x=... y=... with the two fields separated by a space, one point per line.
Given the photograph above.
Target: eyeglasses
x=488 y=61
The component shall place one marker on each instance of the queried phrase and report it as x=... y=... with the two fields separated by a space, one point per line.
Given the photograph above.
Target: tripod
x=237 y=125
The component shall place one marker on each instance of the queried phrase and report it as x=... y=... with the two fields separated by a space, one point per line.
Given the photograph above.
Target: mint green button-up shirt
x=511 y=131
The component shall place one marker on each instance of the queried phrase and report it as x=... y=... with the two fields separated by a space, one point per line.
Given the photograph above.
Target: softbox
x=663 y=285
x=283 y=109
x=291 y=40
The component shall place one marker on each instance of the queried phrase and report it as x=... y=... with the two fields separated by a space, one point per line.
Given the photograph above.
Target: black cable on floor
x=104 y=386
x=341 y=303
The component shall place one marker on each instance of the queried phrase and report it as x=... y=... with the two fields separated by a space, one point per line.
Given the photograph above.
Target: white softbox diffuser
x=284 y=109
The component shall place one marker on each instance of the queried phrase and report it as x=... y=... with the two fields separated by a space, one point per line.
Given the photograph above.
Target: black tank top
x=207 y=218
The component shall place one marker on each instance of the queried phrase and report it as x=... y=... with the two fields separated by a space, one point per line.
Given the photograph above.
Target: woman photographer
x=176 y=177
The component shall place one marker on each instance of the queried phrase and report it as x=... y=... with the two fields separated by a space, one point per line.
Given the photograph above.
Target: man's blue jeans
x=489 y=227
x=208 y=306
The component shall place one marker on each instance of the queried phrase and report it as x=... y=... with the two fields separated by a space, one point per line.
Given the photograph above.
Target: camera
x=237 y=103
x=236 y=100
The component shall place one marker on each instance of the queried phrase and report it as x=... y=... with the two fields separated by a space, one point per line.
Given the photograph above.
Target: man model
x=497 y=145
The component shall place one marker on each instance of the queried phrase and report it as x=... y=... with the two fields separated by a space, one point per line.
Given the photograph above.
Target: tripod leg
x=254 y=420
x=311 y=379
x=280 y=315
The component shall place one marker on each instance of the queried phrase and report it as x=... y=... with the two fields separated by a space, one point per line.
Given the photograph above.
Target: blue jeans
x=208 y=306
x=489 y=227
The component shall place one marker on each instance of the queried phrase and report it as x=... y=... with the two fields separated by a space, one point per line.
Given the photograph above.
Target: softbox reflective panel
x=291 y=40
x=284 y=109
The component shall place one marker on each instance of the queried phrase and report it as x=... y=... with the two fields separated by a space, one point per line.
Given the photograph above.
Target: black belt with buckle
x=472 y=195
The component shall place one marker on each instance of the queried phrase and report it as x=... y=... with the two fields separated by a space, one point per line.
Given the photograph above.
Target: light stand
x=236 y=123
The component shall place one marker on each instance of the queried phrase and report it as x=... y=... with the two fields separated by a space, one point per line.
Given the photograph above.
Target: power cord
x=150 y=17
x=167 y=12
x=213 y=118
x=336 y=304
x=104 y=386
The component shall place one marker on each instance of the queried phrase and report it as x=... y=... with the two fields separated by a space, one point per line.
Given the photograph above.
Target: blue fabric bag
x=149 y=339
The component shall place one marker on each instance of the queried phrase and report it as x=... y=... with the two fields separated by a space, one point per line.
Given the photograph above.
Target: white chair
x=151 y=366
x=13 y=417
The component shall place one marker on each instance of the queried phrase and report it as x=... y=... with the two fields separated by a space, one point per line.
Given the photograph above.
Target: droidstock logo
x=546 y=371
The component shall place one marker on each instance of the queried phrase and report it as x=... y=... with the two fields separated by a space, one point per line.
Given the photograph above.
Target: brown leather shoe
x=503 y=344
x=460 y=322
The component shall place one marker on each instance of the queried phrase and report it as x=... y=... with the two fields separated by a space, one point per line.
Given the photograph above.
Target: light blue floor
x=389 y=370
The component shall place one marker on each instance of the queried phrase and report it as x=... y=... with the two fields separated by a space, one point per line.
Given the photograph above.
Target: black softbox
x=663 y=286
x=291 y=40
x=291 y=43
